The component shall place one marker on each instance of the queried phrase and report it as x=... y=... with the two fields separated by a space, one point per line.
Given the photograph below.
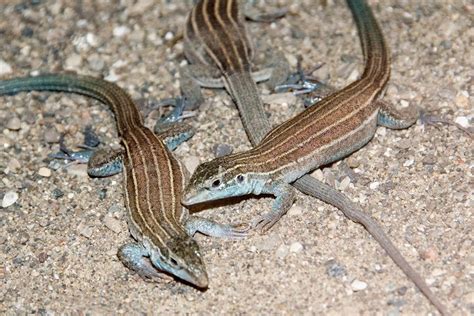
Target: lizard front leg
x=285 y=195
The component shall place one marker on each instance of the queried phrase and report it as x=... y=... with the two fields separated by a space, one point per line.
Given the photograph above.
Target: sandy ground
x=58 y=241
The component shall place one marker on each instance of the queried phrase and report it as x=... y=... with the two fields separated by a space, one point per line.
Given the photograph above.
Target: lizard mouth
x=190 y=198
x=199 y=280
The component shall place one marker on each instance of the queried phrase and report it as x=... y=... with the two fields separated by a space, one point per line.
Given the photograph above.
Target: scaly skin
x=340 y=124
x=153 y=182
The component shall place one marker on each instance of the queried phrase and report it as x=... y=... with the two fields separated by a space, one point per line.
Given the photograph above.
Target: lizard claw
x=264 y=223
x=239 y=231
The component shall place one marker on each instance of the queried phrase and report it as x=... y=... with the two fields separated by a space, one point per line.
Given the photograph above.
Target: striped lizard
x=153 y=183
x=339 y=125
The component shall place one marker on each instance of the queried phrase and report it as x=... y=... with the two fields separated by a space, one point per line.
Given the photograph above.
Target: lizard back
x=219 y=28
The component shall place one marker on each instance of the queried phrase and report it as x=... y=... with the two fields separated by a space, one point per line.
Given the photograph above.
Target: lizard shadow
x=196 y=208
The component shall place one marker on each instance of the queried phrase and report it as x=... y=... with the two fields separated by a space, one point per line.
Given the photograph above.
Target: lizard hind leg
x=169 y=129
x=392 y=118
x=100 y=162
x=105 y=163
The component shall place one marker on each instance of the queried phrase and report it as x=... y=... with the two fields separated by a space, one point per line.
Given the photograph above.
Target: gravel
x=68 y=264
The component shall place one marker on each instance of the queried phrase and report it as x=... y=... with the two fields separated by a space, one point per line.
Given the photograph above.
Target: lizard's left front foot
x=211 y=228
x=135 y=257
x=265 y=222
x=284 y=197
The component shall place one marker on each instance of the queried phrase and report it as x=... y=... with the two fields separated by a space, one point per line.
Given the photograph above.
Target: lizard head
x=181 y=258
x=216 y=179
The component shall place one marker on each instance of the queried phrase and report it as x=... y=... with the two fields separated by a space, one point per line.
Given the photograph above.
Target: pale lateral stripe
x=311 y=138
x=199 y=36
x=244 y=38
x=381 y=57
x=173 y=226
x=300 y=130
x=224 y=29
x=210 y=29
x=193 y=41
x=147 y=188
x=321 y=148
x=347 y=94
x=126 y=169
x=137 y=205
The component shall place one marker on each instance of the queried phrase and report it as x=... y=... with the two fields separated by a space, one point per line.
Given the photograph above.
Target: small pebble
x=102 y=194
x=9 y=199
x=79 y=170
x=296 y=247
x=357 y=285
x=430 y=254
x=462 y=120
x=438 y=272
x=429 y=160
x=409 y=162
x=42 y=257
x=4 y=68
x=52 y=136
x=57 y=193
x=374 y=185
x=404 y=103
x=318 y=174
x=221 y=150
x=344 y=183
x=86 y=231
x=13 y=165
x=96 y=63
x=352 y=162
x=14 y=124
x=330 y=177
x=115 y=210
x=92 y=39
x=404 y=144
x=191 y=163
x=169 y=36
x=120 y=31
x=295 y=210
x=44 y=172
x=282 y=251
x=461 y=100
x=23 y=237
x=402 y=290
x=334 y=269
x=73 y=61
x=141 y=6
x=112 y=224
x=4 y=142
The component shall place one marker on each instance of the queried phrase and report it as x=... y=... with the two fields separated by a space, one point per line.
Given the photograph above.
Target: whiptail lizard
x=153 y=182
x=211 y=25
x=339 y=125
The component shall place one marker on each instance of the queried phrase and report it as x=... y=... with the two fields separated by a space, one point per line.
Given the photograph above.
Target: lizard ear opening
x=240 y=178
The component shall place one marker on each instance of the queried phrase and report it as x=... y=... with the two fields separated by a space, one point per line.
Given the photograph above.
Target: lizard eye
x=240 y=178
x=216 y=183
x=173 y=261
